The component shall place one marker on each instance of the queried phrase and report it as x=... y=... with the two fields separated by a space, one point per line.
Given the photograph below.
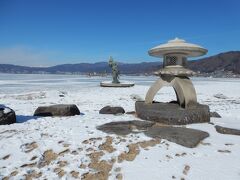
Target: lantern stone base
x=121 y=84
x=172 y=113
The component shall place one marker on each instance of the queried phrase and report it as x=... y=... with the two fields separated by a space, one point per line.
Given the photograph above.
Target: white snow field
x=63 y=147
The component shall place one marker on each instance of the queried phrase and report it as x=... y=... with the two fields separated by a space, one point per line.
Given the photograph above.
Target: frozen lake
x=20 y=83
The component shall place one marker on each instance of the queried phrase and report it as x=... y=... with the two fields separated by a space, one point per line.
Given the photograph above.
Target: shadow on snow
x=22 y=118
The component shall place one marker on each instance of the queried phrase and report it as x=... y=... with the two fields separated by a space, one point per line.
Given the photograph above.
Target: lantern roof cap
x=177 y=46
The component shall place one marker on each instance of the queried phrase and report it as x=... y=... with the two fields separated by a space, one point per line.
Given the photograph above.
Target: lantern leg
x=183 y=87
x=185 y=90
x=154 y=89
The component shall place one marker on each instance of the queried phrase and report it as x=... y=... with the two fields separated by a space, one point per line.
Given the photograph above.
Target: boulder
x=215 y=114
x=125 y=127
x=112 y=110
x=57 y=110
x=220 y=96
x=7 y=116
x=172 y=113
x=224 y=130
x=180 y=135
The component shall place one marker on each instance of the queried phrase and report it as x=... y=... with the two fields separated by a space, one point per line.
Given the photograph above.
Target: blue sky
x=48 y=32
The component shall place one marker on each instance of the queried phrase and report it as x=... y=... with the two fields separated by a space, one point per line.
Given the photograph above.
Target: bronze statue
x=115 y=71
x=115 y=77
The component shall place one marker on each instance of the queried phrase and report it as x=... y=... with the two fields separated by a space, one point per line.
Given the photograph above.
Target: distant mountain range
x=228 y=61
x=224 y=62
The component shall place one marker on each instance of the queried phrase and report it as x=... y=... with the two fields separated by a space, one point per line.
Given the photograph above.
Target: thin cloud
x=24 y=56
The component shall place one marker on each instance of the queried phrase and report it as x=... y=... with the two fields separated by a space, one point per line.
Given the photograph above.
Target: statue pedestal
x=121 y=84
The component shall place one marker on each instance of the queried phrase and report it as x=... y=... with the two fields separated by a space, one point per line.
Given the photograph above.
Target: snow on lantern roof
x=177 y=46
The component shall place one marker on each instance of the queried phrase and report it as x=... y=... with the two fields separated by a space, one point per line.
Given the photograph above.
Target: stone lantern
x=174 y=73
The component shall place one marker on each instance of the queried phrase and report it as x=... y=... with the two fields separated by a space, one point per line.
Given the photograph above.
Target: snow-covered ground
x=23 y=145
